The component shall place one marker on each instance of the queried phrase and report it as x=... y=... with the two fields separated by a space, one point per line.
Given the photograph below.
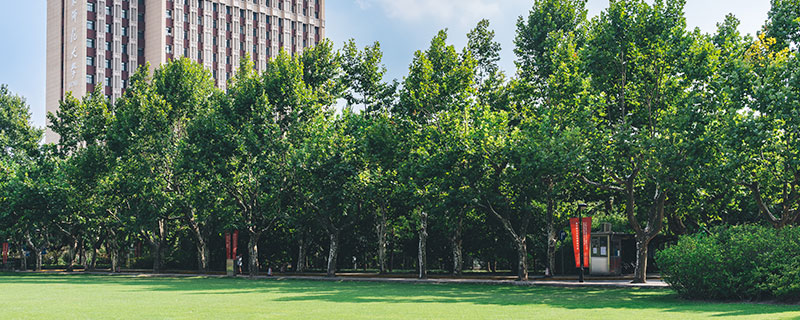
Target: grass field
x=38 y=296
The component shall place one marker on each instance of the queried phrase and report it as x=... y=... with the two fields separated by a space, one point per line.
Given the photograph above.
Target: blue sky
x=401 y=26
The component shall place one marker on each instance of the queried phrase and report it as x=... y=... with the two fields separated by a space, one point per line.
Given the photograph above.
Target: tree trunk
x=156 y=253
x=23 y=261
x=95 y=253
x=158 y=246
x=203 y=255
x=252 y=251
x=551 y=236
x=38 y=254
x=422 y=254
x=333 y=253
x=640 y=272
x=301 y=254
x=380 y=229
x=522 y=263
x=391 y=257
x=200 y=242
x=113 y=251
x=73 y=251
x=82 y=254
x=456 y=242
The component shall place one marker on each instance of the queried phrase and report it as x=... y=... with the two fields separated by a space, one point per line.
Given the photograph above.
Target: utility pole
x=580 y=238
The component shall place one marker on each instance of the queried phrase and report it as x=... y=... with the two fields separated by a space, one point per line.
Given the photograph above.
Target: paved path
x=590 y=283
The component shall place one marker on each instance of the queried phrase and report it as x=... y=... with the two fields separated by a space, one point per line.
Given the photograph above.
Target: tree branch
x=599 y=185
x=754 y=187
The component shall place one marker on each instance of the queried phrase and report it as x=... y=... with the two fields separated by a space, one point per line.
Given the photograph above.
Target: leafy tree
x=763 y=135
x=332 y=187
x=553 y=134
x=150 y=125
x=507 y=193
x=650 y=134
x=439 y=81
x=19 y=151
x=248 y=141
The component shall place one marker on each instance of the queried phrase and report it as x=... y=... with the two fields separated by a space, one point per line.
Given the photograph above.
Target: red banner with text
x=5 y=252
x=587 y=231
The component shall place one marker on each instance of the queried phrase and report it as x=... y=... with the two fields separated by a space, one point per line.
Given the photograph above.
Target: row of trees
x=669 y=129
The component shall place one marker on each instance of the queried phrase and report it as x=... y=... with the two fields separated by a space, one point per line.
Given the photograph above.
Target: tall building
x=103 y=41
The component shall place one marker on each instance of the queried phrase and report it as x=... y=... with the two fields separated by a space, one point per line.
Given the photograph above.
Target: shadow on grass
x=372 y=292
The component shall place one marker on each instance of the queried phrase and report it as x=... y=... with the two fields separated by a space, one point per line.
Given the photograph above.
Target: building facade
x=102 y=42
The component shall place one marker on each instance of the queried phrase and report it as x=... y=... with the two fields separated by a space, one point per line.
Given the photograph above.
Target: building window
x=108 y=10
x=89 y=43
x=169 y=14
x=90 y=7
x=108 y=45
x=124 y=14
x=90 y=79
x=124 y=31
x=90 y=61
x=108 y=82
x=169 y=31
x=124 y=48
x=169 y=49
x=90 y=24
x=124 y=66
x=108 y=66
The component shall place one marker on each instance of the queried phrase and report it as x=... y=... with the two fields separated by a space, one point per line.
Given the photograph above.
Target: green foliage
x=741 y=262
x=533 y=35
x=362 y=77
x=439 y=79
x=17 y=136
x=783 y=23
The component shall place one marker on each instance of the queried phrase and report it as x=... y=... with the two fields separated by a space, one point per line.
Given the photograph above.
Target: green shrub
x=735 y=263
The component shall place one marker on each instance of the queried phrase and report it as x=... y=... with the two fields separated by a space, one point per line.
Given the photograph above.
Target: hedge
x=735 y=263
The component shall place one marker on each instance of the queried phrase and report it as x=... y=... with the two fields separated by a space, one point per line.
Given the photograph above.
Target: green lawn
x=38 y=296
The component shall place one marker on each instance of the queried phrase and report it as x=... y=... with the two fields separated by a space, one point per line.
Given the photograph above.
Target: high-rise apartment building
x=91 y=42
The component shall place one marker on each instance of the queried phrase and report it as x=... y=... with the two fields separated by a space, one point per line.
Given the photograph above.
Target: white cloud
x=447 y=11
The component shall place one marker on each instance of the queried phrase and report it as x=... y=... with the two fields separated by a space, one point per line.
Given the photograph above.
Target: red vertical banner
x=5 y=252
x=228 y=245
x=587 y=237
x=235 y=243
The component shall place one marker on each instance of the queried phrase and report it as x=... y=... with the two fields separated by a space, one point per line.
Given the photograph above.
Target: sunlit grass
x=38 y=296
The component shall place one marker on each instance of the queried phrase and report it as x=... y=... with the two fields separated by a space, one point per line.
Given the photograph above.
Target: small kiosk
x=606 y=252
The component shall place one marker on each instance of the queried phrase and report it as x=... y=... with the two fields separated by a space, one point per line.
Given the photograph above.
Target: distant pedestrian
x=269 y=272
x=239 y=263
